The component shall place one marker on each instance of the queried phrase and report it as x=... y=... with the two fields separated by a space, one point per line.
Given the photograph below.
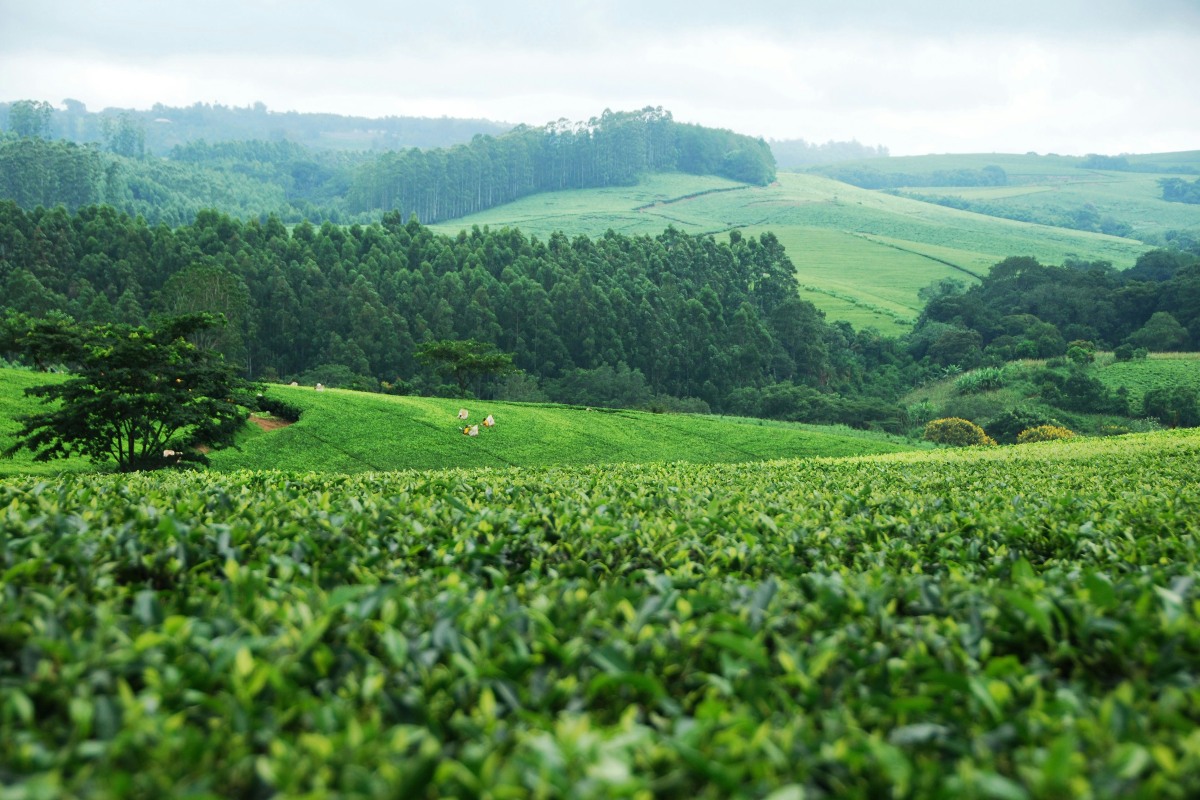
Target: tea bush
x=991 y=623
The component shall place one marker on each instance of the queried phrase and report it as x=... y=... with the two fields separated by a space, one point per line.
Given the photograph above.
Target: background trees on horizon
x=255 y=177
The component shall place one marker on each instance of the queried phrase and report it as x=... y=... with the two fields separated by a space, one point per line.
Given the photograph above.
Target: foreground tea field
x=1010 y=623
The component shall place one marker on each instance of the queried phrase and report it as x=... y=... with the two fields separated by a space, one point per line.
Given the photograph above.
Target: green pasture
x=1055 y=186
x=13 y=403
x=351 y=432
x=863 y=254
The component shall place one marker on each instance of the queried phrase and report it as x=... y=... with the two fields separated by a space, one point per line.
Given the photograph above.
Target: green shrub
x=1173 y=406
x=1044 y=433
x=1081 y=355
x=980 y=380
x=1006 y=427
x=956 y=432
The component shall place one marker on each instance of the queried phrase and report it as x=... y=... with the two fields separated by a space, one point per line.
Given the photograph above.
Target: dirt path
x=269 y=423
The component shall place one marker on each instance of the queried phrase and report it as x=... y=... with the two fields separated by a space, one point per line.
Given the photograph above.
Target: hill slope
x=862 y=254
x=1118 y=195
x=345 y=431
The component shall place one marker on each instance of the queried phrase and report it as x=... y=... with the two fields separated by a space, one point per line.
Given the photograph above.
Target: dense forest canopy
x=1023 y=309
x=691 y=316
x=254 y=178
x=674 y=320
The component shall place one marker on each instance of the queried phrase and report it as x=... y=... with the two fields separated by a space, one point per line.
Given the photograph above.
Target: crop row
x=1009 y=624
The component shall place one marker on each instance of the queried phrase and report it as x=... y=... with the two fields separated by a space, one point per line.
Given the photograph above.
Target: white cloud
x=937 y=75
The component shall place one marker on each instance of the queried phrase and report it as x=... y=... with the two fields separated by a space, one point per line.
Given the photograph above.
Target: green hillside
x=1159 y=370
x=1060 y=190
x=345 y=431
x=1020 y=385
x=863 y=255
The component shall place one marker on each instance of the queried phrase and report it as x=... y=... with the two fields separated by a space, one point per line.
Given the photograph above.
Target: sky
x=916 y=76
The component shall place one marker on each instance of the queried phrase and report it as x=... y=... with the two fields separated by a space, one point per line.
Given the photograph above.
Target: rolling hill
x=350 y=432
x=862 y=255
x=1060 y=190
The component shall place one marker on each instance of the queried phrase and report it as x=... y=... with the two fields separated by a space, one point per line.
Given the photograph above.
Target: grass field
x=1056 y=186
x=344 y=431
x=863 y=255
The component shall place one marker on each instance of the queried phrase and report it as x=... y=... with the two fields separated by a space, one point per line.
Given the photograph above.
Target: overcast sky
x=917 y=76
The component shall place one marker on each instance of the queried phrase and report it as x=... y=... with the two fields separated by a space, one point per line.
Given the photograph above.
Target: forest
x=672 y=321
x=255 y=178
x=160 y=128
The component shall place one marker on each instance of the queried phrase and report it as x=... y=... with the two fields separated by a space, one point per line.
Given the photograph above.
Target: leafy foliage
x=1173 y=406
x=1003 y=623
x=956 y=432
x=1023 y=309
x=139 y=398
x=981 y=380
x=468 y=362
x=1177 y=190
x=1007 y=426
x=1044 y=433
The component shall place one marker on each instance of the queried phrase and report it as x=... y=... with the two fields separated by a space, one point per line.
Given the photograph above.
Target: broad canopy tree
x=137 y=395
x=467 y=361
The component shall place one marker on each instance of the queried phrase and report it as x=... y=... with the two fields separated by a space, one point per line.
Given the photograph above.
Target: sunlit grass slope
x=862 y=255
x=347 y=431
x=343 y=431
x=14 y=403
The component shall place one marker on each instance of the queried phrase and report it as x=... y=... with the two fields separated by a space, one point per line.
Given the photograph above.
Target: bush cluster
x=956 y=432
x=1006 y=427
x=980 y=380
x=1044 y=433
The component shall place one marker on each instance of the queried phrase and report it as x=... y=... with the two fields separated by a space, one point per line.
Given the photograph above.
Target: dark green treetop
x=140 y=397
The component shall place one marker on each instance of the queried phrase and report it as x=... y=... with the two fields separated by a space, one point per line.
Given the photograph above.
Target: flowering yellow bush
x=1044 y=433
x=957 y=432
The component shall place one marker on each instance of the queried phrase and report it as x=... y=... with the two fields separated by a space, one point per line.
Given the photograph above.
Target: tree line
x=256 y=178
x=611 y=150
x=671 y=321
x=162 y=128
x=1025 y=309
x=617 y=318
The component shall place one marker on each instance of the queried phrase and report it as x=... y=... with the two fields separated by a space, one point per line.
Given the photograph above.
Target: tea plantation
x=1014 y=622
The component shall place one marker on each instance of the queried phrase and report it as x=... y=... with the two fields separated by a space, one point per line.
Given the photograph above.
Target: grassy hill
x=862 y=255
x=1056 y=188
x=1018 y=391
x=345 y=431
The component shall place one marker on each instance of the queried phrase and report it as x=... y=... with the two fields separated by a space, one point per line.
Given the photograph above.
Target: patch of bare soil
x=269 y=423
